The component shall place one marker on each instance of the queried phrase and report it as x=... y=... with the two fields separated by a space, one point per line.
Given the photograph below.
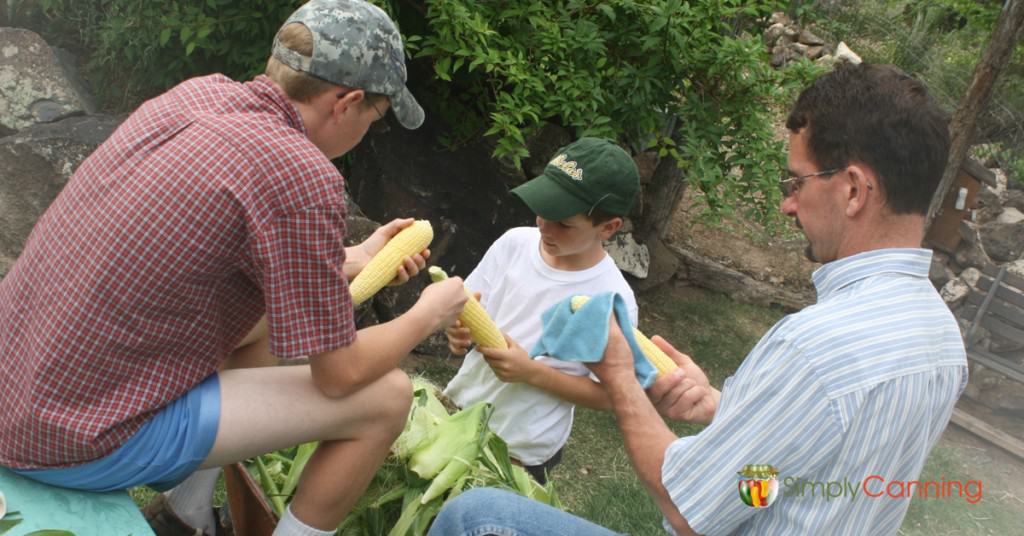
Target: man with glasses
x=860 y=384
x=213 y=206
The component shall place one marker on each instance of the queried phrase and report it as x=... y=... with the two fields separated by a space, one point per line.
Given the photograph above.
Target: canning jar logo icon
x=758 y=485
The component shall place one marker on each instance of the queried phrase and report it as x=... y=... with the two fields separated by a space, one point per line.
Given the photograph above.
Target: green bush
x=138 y=48
x=620 y=69
x=690 y=80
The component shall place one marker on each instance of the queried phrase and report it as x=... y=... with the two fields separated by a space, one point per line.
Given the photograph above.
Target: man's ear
x=859 y=188
x=345 y=102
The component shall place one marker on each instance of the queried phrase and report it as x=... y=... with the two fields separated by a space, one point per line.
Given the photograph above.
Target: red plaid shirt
x=208 y=207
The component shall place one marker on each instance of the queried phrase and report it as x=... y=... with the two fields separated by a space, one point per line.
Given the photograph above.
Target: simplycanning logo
x=759 y=487
x=877 y=487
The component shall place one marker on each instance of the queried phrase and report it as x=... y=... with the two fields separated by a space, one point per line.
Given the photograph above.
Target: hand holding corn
x=662 y=363
x=459 y=339
x=482 y=329
x=388 y=263
x=442 y=303
x=512 y=365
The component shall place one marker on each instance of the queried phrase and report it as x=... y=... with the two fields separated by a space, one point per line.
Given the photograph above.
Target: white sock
x=291 y=526
x=192 y=500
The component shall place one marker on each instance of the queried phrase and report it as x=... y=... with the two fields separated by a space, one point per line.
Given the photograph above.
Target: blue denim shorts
x=165 y=451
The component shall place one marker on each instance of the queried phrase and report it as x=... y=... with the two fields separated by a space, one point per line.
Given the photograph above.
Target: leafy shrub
x=140 y=48
x=621 y=69
x=689 y=80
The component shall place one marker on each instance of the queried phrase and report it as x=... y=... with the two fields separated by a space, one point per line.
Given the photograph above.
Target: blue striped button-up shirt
x=845 y=399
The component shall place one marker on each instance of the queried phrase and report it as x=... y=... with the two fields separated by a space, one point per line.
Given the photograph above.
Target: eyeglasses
x=790 y=185
x=380 y=114
x=369 y=98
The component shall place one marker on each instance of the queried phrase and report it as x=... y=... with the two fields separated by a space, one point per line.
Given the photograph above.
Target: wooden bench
x=85 y=514
x=997 y=305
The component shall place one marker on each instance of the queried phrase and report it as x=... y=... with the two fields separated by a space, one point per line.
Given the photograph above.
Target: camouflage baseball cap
x=355 y=45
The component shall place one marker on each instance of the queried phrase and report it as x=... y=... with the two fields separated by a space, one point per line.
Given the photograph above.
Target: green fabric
x=588 y=174
x=83 y=513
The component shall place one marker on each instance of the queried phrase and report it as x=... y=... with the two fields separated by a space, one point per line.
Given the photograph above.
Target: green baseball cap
x=356 y=45
x=586 y=175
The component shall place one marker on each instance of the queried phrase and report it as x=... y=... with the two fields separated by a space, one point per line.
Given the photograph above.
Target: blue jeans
x=482 y=511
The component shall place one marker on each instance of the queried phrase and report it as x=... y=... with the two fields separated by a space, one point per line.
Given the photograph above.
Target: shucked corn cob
x=482 y=329
x=383 y=267
x=662 y=362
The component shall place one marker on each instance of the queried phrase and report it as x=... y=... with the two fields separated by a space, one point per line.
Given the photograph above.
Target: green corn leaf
x=270 y=487
x=450 y=436
x=458 y=466
x=302 y=456
x=408 y=517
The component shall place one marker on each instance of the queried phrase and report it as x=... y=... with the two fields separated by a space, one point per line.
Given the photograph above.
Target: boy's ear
x=610 y=227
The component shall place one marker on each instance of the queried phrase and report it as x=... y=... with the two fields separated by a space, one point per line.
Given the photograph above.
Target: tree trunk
x=962 y=126
x=661 y=197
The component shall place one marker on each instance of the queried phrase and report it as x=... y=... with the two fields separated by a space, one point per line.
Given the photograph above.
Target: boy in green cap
x=580 y=200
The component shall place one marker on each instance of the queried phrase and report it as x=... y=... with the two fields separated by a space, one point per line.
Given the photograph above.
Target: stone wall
x=993 y=237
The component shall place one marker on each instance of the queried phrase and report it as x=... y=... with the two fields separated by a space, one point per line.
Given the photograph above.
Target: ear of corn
x=383 y=267
x=661 y=361
x=482 y=329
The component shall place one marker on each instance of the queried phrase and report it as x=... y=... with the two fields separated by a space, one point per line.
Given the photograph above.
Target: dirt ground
x=742 y=245
x=1000 y=472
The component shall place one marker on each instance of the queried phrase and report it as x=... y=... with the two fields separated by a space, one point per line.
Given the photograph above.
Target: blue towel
x=583 y=335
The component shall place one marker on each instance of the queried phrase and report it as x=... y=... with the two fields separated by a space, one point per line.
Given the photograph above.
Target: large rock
x=772 y=34
x=34 y=165
x=34 y=87
x=630 y=256
x=1004 y=242
x=1014 y=199
x=988 y=205
x=809 y=38
x=1016 y=267
x=954 y=292
x=939 y=271
x=663 y=266
x=1010 y=215
x=738 y=286
x=843 y=53
x=465 y=191
x=971 y=253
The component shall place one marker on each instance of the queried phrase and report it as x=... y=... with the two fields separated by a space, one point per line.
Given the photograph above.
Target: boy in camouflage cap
x=215 y=224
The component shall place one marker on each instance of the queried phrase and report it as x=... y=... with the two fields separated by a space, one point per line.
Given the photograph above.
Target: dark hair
x=881 y=117
x=598 y=216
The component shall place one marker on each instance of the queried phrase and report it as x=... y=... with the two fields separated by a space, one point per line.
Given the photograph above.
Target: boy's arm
x=378 y=349
x=515 y=366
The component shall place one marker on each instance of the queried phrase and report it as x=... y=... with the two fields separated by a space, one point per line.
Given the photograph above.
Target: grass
x=143 y=495
x=954 y=515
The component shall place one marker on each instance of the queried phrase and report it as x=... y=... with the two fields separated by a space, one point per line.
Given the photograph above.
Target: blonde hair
x=299 y=86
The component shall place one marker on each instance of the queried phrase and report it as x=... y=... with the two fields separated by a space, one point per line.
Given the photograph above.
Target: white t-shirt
x=517 y=286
